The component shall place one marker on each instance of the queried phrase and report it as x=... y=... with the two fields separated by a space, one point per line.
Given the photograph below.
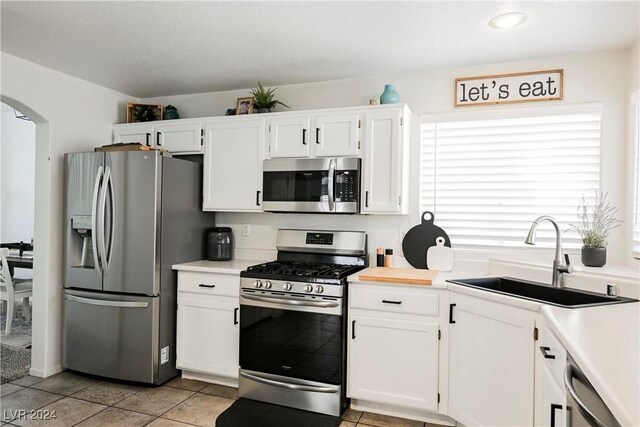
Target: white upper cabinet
x=386 y=161
x=179 y=136
x=134 y=133
x=233 y=155
x=289 y=136
x=336 y=135
x=176 y=136
x=315 y=135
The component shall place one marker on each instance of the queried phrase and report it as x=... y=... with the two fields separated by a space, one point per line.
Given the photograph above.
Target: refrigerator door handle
x=107 y=303
x=102 y=199
x=109 y=188
x=95 y=222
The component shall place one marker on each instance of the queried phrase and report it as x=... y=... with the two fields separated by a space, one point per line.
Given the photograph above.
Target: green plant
x=263 y=98
x=596 y=222
x=170 y=107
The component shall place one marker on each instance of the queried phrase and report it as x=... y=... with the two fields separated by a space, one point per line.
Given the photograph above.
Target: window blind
x=487 y=180
x=635 y=110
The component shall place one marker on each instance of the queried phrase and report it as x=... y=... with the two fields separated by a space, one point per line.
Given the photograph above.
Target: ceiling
x=148 y=48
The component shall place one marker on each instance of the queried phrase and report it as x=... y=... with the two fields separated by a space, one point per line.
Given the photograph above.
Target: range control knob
x=267 y=284
x=308 y=288
x=287 y=286
x=319 y=289
x=257 y=283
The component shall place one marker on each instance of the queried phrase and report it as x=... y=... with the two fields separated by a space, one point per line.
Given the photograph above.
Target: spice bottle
x=380 y=257
x=388 y=257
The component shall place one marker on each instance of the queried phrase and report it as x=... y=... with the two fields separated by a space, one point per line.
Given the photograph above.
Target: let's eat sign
x=509 y=88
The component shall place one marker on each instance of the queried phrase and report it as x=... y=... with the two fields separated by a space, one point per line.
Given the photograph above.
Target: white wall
x=70 y=115
x=600 y=78
x=17 y=180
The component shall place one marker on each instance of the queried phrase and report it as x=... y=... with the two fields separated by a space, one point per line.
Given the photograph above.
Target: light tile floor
x=87 y=402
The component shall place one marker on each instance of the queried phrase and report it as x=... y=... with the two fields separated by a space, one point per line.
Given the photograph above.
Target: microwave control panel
x=347 y=184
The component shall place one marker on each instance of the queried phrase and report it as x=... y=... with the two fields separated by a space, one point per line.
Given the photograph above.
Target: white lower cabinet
x=208 y=324
x=393 y=353
x=553 y=359
x=491 y=365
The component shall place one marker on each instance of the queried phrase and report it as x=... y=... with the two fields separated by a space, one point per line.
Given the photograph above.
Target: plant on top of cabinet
x=170 y=113
x=264 y=101
x=596 y=222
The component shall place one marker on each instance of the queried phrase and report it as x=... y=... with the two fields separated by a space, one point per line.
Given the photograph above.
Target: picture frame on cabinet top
x=244 y=105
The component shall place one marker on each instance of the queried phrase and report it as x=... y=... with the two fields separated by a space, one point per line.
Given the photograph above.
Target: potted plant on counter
x=263 y=99
x=596 y=222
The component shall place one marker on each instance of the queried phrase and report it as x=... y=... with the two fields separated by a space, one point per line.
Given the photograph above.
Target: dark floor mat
x=249 y=413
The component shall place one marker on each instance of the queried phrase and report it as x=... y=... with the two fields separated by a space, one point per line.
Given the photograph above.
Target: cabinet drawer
x=209 y=284
x=556 y=355
x=400 y=301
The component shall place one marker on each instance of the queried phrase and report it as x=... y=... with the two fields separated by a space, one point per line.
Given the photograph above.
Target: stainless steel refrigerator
x=129 y=216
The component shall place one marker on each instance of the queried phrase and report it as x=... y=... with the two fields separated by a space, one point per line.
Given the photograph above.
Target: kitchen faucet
x=557 y=280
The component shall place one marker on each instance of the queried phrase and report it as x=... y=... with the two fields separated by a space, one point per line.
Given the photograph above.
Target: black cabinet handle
x=451 y=313
x=554 y=406
x=384 y=301
x=235 y=316
x=317 y=135
x=304 y=136
x=353 y=329
x=258 y=198
x=202 y=285
x=158 y=138
x=148 y=136
x=366 y=199
x=545 y=353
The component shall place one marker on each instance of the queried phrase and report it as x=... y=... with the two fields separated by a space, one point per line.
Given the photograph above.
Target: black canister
x=219 y=244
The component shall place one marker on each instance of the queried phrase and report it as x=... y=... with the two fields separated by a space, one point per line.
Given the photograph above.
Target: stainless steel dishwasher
x=584 y=406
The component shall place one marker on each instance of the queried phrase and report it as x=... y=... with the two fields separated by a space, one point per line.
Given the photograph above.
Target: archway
x=42 y=268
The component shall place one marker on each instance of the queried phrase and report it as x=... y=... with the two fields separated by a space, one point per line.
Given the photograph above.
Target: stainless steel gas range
x=293 y=320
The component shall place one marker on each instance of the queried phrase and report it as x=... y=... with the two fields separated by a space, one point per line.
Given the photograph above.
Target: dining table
x=20 y=256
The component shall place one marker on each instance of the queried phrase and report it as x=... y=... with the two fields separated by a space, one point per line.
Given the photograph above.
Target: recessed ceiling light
x=507 y=20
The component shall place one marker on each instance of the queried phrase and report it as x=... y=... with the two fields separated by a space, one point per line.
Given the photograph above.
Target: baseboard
x=44 y=374
x=215 y=379
x=397 y=411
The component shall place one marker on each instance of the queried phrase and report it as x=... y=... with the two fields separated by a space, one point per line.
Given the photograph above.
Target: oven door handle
x=281 y=300
x=316 y=389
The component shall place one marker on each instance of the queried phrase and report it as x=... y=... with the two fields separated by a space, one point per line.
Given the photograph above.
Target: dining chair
x=11 y=290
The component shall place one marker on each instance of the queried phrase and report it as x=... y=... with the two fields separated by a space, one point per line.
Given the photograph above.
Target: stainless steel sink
x=534 y=291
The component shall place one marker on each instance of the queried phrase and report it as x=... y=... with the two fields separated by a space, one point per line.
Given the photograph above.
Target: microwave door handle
x=331 y=184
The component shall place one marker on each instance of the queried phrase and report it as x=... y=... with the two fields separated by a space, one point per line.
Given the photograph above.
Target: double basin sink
x=562 y=297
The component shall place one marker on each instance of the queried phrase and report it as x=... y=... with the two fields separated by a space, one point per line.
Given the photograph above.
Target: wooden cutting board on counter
x=412 y=276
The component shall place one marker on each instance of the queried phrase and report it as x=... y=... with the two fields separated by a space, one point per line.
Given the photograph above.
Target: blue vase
x=389 y=96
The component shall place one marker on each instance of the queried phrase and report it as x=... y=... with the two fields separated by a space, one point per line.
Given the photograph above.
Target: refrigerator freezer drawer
x=110 y=335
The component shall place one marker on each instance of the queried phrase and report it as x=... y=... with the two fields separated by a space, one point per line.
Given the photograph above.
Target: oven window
x=291 y=343
x=295 y=186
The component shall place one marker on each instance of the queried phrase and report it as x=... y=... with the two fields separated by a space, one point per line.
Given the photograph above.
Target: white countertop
x=605 y=343
x=235 y=266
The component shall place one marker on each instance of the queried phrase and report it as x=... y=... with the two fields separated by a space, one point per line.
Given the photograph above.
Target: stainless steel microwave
x=327 y=185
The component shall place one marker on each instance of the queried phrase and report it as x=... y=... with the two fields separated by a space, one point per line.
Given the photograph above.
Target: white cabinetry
x=289 y=136
x=176 y=136
x=553 y=359
x=393 y=346
x=233 y=155
x=179 y=136
x=336 y=135
x=134 y=133
x=386 y=161
x=491 y=374
x=207 y=336
x=314 y=135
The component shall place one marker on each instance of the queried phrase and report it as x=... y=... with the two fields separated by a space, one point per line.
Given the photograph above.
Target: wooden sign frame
x=500 y=80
